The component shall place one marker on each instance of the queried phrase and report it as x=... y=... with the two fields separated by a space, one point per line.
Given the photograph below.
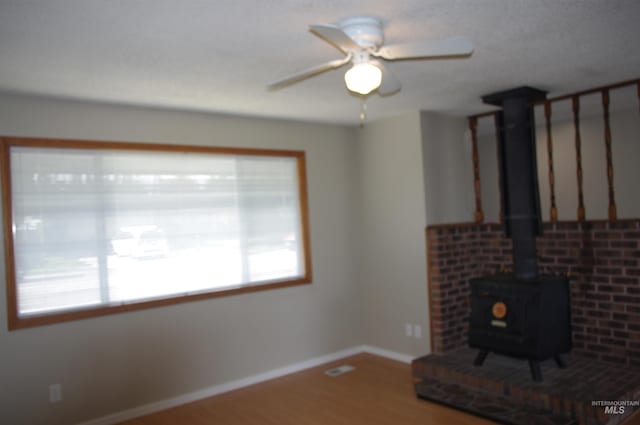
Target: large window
x=95 y=227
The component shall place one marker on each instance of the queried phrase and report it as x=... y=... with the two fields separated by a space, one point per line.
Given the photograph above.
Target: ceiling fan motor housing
x=366 y=31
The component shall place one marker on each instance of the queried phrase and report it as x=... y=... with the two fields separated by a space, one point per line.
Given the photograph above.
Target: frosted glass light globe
x=363 y=78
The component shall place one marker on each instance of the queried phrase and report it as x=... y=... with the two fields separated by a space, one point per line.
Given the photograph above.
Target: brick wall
x=601 y=258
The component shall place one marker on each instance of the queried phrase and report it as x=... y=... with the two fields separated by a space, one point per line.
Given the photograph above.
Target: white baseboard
x=240 y=383
x=393 y=355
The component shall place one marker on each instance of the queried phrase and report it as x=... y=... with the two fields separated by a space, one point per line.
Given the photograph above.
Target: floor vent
x=339 y=370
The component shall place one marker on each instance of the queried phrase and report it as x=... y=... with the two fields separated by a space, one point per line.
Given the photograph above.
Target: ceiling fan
x=361 y=39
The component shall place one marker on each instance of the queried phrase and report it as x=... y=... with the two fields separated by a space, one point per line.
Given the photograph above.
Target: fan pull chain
x=363 y=110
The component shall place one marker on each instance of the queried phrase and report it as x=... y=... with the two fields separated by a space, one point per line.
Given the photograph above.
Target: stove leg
x=482 y=354
x=560 y=361
x=536 y=373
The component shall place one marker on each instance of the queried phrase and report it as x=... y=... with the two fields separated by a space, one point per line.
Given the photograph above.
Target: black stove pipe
x=521 y=200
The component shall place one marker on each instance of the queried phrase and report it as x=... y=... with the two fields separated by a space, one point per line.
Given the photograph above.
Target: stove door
x=502 y=317
x=500 y=313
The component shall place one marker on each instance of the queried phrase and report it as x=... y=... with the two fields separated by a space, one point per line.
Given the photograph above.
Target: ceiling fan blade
x=449 y=47
x=306 y=73
x=335 y=36
x=390 y=83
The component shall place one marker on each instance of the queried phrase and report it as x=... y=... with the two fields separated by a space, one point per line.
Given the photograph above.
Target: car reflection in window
x=140 y=242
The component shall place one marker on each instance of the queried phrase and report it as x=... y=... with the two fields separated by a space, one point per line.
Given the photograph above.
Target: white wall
x=372 y=191
x=108 y=364
x=448 y=169
x=625 y=128
x=391 y=255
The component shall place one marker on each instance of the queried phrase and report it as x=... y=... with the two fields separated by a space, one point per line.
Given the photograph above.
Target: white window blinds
x=105 y=227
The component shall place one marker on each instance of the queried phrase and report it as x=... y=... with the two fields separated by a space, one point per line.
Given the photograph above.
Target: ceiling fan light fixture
x=361 y=37
x=363 y=78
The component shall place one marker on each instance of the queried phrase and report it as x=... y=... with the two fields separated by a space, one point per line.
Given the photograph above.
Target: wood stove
x=524 y=314
x=521 y=318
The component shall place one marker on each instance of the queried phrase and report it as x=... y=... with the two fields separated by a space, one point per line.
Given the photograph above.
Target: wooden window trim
x=16 y=322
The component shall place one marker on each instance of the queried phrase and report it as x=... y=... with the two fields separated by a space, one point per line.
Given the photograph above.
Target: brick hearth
x=502 y=389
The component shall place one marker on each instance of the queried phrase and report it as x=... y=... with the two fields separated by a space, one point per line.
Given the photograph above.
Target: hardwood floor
x=378 y=392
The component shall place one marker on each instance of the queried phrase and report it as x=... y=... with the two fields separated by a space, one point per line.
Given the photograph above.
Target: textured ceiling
x=219 y=55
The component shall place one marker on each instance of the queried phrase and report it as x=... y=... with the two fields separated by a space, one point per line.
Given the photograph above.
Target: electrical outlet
x=417 y=331
x=55 y=393
x=408 y=329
